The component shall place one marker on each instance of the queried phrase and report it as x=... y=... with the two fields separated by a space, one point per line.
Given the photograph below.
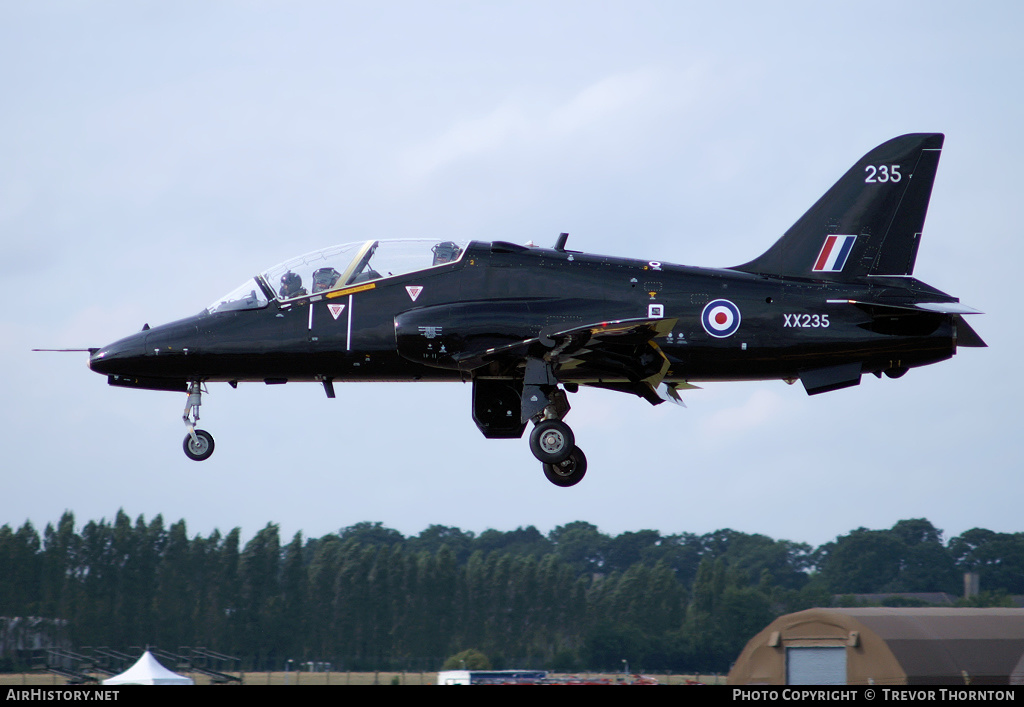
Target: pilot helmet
x=291 y=283
x=446 y=252
x=325 y=279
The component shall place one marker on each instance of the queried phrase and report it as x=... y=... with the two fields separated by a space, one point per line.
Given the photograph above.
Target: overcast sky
x=154 y=155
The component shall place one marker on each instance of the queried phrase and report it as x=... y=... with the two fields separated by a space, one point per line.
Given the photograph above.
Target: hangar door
x=816 y=666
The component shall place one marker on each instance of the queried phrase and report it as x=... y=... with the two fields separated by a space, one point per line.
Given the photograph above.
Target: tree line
x=368 y=597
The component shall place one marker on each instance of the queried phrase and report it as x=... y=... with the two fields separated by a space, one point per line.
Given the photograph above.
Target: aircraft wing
x=564 y=342
x=618 y=355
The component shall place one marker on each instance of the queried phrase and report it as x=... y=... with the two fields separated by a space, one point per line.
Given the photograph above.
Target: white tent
x=148 y=671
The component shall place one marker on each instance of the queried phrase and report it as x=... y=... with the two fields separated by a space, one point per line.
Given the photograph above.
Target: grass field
x=382 y=678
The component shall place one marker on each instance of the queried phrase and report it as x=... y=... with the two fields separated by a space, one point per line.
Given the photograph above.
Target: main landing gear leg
x=198 y=444
x=551 y=441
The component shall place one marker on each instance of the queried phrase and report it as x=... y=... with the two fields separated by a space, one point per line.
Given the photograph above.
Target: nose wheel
x=199 y=448
x=198 y=444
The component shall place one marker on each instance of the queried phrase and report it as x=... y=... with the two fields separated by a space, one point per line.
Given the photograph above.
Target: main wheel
x=551 y=441
x=570 y=472
x=202 y=450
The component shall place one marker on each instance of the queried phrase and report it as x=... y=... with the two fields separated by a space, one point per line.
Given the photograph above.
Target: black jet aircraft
x=831 y=300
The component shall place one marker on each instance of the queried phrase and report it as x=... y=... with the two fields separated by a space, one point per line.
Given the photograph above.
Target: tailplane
x=868 y=223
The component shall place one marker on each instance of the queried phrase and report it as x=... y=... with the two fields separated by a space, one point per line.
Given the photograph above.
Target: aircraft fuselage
x=832 y=299
x=501 y=294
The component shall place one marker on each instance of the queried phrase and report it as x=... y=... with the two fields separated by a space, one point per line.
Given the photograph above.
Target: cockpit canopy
x=339 y=266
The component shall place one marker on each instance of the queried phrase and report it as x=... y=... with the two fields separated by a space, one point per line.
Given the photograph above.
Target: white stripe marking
x=348 y=333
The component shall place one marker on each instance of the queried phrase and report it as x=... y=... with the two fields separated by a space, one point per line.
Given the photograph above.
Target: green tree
x=724 y=612
x=910 y=557
x=294 y=598
x=630 y=548
x=998 y=558
x=261 y=604
x=521 y=541
x=581 y=545
x=431 y=540
x=173 y=602
x=61 y=571
x=371 y=534
x=20 y=571
x=323 y=573
x=865 y=561
x=470 y=659
x=751 y=554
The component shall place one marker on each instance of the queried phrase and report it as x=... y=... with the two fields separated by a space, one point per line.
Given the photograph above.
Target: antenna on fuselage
x=560 y=243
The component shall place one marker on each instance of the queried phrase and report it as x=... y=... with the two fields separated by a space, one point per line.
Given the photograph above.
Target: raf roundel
x=721 y=318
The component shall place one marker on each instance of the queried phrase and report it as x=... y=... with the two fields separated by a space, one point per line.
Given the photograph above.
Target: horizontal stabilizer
x=890 y=309
x=937 y=307
x=947 y=308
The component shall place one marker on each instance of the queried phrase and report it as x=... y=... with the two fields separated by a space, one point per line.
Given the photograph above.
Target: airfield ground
x=382 y=678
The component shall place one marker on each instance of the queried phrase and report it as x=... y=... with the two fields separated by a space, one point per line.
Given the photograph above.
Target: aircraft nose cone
x=118 y=356
x=98 y=359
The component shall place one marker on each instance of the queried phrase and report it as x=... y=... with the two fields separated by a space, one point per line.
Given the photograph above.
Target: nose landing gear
x=198 y=444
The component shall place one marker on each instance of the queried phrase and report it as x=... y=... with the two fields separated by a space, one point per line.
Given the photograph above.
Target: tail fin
x=868 y=223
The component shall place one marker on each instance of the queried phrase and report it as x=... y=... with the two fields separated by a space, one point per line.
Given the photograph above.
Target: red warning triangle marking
x=336 y=309
x=414 y=291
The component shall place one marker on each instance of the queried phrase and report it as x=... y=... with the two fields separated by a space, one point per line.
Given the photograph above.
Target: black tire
x=552 y=441
x=201 y=451
x=570 y=472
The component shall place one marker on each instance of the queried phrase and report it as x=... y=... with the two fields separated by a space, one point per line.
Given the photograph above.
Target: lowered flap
x=654 y=394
